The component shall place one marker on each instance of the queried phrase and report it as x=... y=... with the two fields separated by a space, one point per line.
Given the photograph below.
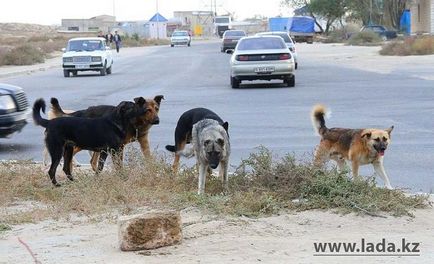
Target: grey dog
x=211 y=146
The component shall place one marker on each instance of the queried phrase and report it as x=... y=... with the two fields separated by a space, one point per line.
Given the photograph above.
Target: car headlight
x=96 y=59
x=7 y=103
x=67 y=59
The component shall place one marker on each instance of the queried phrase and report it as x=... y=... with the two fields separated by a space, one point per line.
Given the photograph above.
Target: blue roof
x=158 y=18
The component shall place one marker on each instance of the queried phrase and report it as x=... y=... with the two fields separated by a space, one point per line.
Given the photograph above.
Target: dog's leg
x=102 y=157
x=67 y=161
x=56 y=155
x=144 y=146
x=223 y=174
x=45 y=157
x=321 y=156
x=74 y=160
x=202 y=178
x=379 y=169
x=94 y=161
x=117 y=158
x=355 y=169
x=341 y=164
x=181 y=147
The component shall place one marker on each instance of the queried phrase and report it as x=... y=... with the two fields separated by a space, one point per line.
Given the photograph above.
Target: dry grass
x=365 y=38
x=262 y=185
x=409 y=46
x=38 y=47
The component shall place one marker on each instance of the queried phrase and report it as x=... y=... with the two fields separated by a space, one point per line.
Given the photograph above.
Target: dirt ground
x=287 y=238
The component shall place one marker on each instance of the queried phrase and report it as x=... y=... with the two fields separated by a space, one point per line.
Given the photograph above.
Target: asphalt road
x=267 y=114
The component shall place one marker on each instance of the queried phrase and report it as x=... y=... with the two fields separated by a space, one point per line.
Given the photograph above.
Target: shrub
x=410 y=46
x=23 y=55
x=261 y=185
x=362 y=38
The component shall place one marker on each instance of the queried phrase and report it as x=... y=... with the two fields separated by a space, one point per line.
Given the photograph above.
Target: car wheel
x=235 y=83
x=290 y=81
x=171 y=45
x=74 y=73
x=103 y=71
x=296 y=65
x=383 y=38
x=109 y=69
x=65 y=73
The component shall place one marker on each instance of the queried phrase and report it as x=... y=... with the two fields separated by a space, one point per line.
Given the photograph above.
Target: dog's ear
x=225 y=125
x=122 y=107
x=389 y=130
x=158 y=99
x=366 y=134
x=140 y=101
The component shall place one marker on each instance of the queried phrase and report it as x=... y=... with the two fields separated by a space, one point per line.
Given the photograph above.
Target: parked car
x=180 y=37
x=87 y=54
x=14 y=109
x=262 y=58
x=382 y=31
x=288 y=41
x=230 y=39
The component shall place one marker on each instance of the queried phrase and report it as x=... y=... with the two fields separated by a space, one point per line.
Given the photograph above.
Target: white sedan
x=262 y=58
x=87 y=54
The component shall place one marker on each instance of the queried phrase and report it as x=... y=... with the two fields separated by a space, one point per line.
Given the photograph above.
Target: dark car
x=382 y=31
x=14 y=109
x=230 y=39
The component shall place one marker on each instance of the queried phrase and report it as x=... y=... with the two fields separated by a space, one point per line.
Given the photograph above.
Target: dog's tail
x=39 y=104
x=55 y=107
x=318 y=118
x=171 y=148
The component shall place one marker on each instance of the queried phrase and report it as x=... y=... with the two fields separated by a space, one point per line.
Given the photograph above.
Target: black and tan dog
x=139 y=132
x=184 y=129
x=103 y=134
x=360 y=146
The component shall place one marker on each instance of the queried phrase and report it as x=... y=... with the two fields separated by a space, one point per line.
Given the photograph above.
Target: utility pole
x=114 y=13
x=158 y=20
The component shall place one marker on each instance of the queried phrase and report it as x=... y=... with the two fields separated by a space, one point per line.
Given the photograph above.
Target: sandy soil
x=287 y=238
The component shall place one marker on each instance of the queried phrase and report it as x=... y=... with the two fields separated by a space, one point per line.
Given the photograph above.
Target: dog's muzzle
x=156 y=121
x=380 y=149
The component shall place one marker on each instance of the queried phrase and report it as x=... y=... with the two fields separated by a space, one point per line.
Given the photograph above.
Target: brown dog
x=360 y=146
x=143 y=122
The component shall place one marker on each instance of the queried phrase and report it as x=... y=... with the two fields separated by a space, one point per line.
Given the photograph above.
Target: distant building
x=201 y=23
x=156 y=27
x=94 y=24
x=133 y=27
x=422 y=16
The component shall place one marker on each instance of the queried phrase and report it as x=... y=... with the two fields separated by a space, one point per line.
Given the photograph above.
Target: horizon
x=50 y=12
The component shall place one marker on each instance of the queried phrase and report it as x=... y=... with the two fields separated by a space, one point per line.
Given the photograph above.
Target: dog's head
x=377 y=139
x=128 y=112
x=153 y=107
x=214 y=145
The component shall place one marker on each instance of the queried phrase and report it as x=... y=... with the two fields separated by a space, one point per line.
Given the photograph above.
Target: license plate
x=82 y=66
x=264 y=69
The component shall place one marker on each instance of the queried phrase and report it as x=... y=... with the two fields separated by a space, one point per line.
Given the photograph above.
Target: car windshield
x=222 y=20
x=179 y=34
x=285 y=36
x=85 y=45
x=261 y=43
x=235 y=33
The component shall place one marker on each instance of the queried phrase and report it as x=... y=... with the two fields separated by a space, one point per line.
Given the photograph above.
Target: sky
x=50 y=12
